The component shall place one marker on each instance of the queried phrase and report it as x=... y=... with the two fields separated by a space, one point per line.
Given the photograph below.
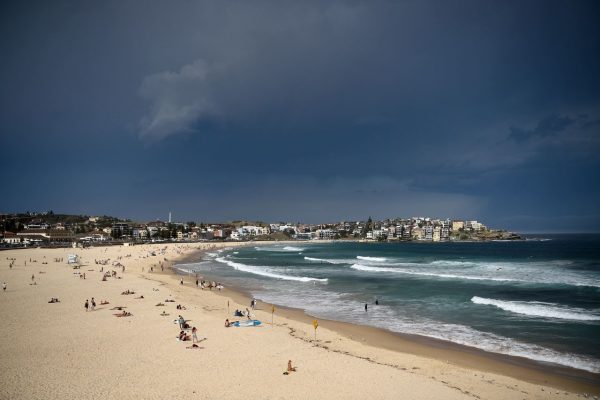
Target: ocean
x=538 y=298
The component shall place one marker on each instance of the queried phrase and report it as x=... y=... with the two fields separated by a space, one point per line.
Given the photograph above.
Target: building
x=458 y=226
x=437 y=234
x=121 y=229
x=11 y=238
x=47 y=235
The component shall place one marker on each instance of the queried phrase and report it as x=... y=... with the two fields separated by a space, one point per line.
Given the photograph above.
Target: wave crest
x=376 y=259
x=252 y=269
x=538 y=309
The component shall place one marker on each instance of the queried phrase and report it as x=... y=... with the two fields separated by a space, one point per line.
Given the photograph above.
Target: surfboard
x=252 y=322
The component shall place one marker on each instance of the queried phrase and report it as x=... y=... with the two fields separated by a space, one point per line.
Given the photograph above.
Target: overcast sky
x=304 y=111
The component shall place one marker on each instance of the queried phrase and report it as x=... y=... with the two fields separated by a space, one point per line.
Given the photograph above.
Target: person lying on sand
x=140 y=297
x=124 y=314
x=118 y=308
x=104 y=302
x=169 y=301
x=229 y=324
x=128 y=292
x=164 y=314
x=54 y=300
x=160 y=305
x=194 y=347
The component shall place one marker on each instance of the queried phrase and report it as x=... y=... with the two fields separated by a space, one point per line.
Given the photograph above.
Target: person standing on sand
x=4 y=286
x=181 y=281
x=93 y=304
x=32 y=277
x=86 y=305
x=194 y=337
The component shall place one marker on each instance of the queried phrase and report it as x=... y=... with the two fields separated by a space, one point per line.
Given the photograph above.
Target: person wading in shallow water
x=366 y=307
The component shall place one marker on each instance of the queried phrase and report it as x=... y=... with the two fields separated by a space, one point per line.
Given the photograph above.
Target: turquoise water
x=538 y=298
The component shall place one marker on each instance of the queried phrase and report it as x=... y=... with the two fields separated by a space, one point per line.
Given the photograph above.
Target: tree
x=367 y=227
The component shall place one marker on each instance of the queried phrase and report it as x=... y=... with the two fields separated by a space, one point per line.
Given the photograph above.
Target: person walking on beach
x=32 y=277
x=86 y=305
x=93 y=304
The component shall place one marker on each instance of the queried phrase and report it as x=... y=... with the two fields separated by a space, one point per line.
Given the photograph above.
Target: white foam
x=522 y=273
x=365 y=268
x=275 y=248
x=330 y=261
x=376 y=259
x=337 y=306
x=252 y=269
x=292 y=248
x=497 y=344
x=539 y=309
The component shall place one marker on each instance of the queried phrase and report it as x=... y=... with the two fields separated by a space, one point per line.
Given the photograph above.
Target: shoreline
x=521 y=368
x=62 y=351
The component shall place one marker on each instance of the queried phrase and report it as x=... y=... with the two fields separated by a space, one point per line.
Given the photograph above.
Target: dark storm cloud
x=548 y=126
x=268 y=109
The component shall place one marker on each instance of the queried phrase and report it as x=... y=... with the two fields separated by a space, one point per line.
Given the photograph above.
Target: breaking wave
x=539 y=309
x=330 y=261
x=361 y=267
x=274 y=248
x=520 y=277
x=376 y=259
x=252 y=269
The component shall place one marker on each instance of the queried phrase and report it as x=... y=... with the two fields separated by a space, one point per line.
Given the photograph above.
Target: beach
x=60 y=350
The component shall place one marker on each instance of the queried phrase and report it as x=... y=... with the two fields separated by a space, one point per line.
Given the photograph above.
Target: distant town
x=50 y=229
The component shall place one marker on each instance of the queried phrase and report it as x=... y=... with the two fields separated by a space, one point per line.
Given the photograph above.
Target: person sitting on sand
x=193 y=347
x=290 y=368
x=54 y=300
x=183 y=337
x=229 y=324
